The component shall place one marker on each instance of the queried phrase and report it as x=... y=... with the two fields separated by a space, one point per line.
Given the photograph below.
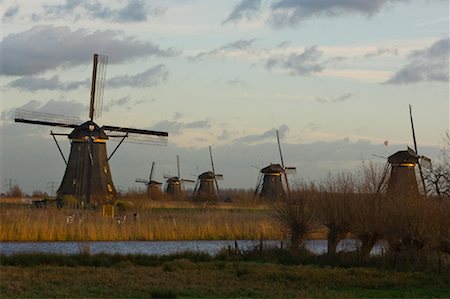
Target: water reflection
x=162 y=247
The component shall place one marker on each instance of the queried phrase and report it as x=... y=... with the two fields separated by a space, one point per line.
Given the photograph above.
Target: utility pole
x=10 y=184
x=51 y=185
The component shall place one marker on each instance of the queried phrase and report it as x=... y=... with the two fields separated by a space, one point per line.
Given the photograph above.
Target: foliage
x=280 y=274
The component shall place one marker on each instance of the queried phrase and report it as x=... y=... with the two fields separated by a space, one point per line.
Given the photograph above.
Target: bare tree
x=412 y=223
x=332 y=206
x=295 y=215
x=367 y=209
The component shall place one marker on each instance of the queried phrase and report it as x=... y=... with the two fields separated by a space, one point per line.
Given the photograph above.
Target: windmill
x=153 y=187
x=402 y=178
x=173 y=186
x=207 y=187
x=269 y=184
x=87 y=175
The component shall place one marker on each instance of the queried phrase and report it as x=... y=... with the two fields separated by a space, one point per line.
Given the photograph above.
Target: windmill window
x=105 y=169
x=109 y=187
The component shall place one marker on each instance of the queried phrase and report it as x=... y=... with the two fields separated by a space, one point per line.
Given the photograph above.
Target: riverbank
x=157 y=221
x=203 y=276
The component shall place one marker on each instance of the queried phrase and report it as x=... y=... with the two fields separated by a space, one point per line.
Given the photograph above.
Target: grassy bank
x=199 y=275
x=164 y=221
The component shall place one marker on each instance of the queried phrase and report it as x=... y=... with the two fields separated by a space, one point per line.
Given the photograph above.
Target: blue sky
x=335 y=77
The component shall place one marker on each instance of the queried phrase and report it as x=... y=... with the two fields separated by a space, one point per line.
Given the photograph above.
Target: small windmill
x=87 y=175
x=174 y=183
x=269 y=183
x=402 y=178
x=153 y=187
x=207 y=187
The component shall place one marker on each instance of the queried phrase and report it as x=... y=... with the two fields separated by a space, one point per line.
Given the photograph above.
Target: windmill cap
x=272 y=168
x=173 y=180
x=88 y=128
x=403 y=157
x=207 y=175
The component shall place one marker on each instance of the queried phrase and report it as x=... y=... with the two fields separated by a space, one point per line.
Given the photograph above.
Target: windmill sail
x=46 y=119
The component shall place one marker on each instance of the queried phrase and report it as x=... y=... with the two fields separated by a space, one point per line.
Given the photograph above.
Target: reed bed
x=30 y=224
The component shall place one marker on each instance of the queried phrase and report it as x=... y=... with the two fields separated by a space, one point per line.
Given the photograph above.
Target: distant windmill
x=153 y=187
x=207 y=187
x=402 y=178
x=87 y=175
x=270 y=183
x=174 y=183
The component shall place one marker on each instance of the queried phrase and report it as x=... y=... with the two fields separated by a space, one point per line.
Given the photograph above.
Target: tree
x=332 y=206
x=295 y=215
x=367 y=209
x=15 y=191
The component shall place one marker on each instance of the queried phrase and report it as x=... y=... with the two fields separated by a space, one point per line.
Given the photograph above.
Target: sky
x=335 y=78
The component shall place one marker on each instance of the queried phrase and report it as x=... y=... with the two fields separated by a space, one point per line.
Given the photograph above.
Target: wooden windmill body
x=270 y=182
x=87 y=175
x=272 y=185
x=402 y=178
x=174 y=183
x=153 y=187
x=207 y=188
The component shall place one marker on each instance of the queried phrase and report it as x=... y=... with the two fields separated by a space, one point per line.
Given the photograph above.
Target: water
x=162 y=247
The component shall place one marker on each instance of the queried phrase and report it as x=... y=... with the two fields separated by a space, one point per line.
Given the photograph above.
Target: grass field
x=202 y=276
x=155 y=221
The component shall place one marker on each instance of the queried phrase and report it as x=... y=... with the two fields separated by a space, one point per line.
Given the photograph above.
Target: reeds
x=30 y=224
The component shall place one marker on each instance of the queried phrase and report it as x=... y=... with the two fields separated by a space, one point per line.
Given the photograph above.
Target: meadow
x=156 y=224
x=196 y=275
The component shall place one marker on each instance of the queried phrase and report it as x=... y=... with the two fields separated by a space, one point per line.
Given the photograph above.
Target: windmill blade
x=187 y=181
x=415 y=148
x=151 y=172
x=46 y=119
x=258 y=184
x=138 y=135
x=142 y=181
x=178 y=166
x=166 y=176
x=282 y=164
x=97 y=85
x=290 y=170
x=425 y=162
x=216 y=177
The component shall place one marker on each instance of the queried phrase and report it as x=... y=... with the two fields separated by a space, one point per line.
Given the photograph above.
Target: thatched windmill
x=87 y=175
x=207 y=188
x=153 y=187
x=173 y=184
x=269 y=183
x=402 y=179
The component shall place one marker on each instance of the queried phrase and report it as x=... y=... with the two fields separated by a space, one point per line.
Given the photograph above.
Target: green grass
x=194 y=275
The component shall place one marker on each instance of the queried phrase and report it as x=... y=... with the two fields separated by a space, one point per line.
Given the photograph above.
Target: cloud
x=60 y=46
x=381 y=51
x=302 y=64
x=292 y=12
x=270 y=134
x=121 y=102
x=237 y=82
x=151 y=77
x=430 y=64
x=341 y=98
x=176 y=127
x=246 y=9
x=10 y=13
x=128 y=11
x=31 y=83
x=242 y=45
